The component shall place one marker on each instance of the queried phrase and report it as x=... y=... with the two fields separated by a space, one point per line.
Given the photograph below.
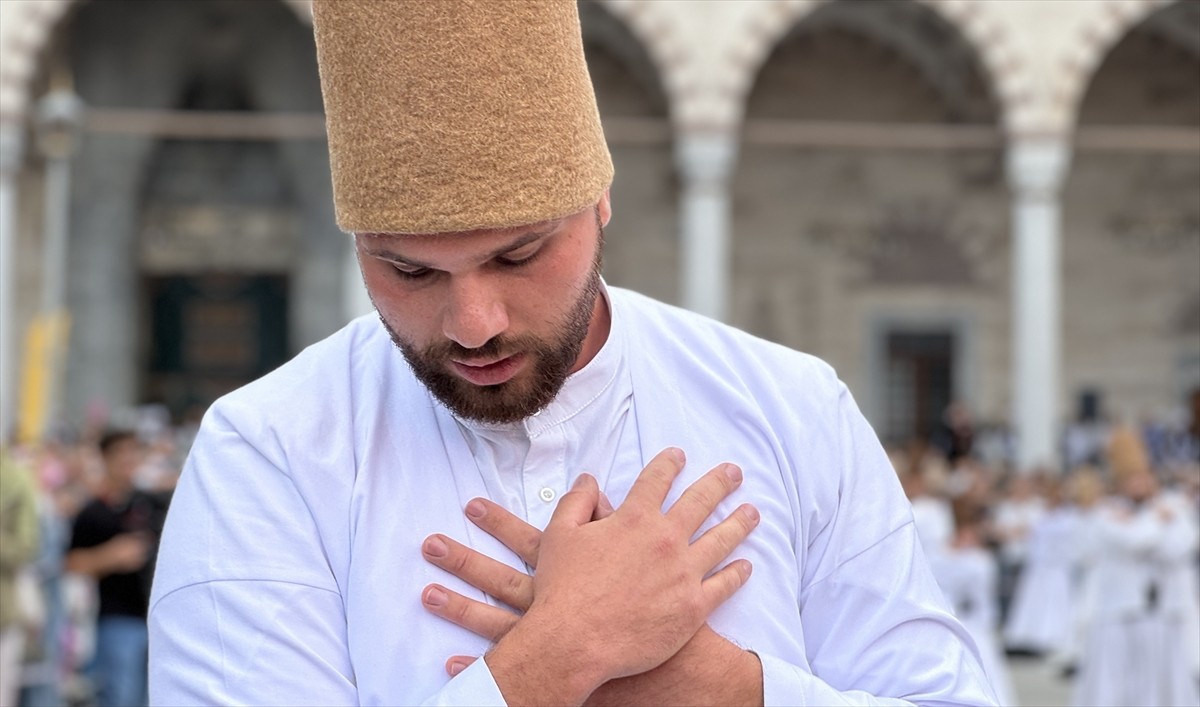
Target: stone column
x=1036 y=169
x=705 y=162
x=11 y=147
x=103 y=289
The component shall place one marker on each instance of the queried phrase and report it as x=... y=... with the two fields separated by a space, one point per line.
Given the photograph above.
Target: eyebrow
x=520 y=242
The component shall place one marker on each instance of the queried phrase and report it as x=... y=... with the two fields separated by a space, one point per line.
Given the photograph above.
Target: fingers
x=577 y=505
x=701 y=498
x=720 y=540
x=652 y=485
x=458 y=663
x=723 y=583
x=490 y=622
x=517 y=535
x=480 y=571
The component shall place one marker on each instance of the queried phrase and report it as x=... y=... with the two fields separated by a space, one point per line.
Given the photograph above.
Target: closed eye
x=410 y=273
x=510 y=262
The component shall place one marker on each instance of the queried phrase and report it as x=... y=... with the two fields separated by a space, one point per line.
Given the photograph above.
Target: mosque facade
x=993 y=202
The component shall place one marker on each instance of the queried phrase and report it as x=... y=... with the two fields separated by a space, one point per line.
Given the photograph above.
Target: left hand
x=704 y=671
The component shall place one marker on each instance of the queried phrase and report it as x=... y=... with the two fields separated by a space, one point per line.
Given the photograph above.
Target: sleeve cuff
x=474 y=686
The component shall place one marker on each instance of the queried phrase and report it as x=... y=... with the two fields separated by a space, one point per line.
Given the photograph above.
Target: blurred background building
x=993 y=202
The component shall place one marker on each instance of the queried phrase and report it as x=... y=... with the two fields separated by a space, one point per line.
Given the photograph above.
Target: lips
x=489 y=373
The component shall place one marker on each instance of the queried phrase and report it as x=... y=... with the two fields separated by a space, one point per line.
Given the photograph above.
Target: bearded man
x=606 y=499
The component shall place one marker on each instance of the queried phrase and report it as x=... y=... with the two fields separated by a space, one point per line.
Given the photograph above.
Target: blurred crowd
x=1093 y=569
x=79 y=526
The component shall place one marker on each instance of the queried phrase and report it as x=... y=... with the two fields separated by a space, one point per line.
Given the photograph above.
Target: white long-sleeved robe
x=1139 y=641
x=1041 y=617
x=967 y=576
x=290 y=569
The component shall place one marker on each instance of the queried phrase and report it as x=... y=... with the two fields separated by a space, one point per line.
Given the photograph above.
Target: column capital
x=706 y=158
x=1037 y=165
x=12 y=148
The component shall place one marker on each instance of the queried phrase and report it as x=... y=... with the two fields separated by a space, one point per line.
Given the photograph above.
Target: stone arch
x=29 y=25
x=764 y=29
x=24 y=34
x=1085 y=51
x=666 y=48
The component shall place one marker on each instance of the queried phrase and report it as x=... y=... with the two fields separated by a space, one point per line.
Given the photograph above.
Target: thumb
x=578 y=505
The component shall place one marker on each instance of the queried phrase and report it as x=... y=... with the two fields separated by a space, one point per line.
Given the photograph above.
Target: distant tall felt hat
x=1127 y=453
x=457 y=115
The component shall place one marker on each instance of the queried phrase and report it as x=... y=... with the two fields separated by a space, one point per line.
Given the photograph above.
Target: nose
x=474 y=312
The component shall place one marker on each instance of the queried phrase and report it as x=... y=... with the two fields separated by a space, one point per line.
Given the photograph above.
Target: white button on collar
x=547 y=494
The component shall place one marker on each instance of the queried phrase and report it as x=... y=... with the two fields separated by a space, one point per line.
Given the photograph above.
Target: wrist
x=536 y=664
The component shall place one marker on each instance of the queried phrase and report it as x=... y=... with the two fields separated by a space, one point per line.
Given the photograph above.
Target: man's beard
x=550 y=362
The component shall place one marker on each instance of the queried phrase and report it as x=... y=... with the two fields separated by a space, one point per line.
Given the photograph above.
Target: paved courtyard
x=1037 y=684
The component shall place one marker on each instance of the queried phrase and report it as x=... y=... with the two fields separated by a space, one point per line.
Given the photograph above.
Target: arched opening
x=1131 y=226
x=199 y=256
x=870 y=211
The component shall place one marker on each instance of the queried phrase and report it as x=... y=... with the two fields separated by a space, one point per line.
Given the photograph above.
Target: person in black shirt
x=112 y=541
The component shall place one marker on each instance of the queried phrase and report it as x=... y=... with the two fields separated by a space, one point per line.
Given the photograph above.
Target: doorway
x=919 y=382
x=211 y=333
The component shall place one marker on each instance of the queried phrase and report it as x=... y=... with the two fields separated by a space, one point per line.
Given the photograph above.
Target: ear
x=604 y=208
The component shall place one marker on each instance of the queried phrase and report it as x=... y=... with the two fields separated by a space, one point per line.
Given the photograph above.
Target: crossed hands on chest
x=616 y=611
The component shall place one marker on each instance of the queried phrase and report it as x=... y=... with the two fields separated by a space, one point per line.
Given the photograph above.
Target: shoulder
x=317 y=371
x=696 y=343
x=93 y=510
x=322 y=393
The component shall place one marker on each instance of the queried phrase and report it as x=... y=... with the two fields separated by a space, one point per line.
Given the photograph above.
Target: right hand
x=620 y=595
x=127 y=552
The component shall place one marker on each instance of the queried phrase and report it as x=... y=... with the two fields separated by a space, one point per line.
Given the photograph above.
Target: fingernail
x=436 y=547
x=456 y=668
x=605 y=504
x=751 y=513
x=476 y=509
x=745 y=569
x=677 y=454
x=734 y=473
x=436 y=597
x=579 y=482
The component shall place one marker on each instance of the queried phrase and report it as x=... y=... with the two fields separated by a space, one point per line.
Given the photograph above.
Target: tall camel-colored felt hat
x=457 y=115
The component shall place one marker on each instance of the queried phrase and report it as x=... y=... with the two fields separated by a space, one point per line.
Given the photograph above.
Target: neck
x=598 y=328
x=116 y=490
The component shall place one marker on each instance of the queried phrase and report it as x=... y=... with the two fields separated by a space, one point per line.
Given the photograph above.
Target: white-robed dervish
x=317 y=550
x=1041 y=618
x=966 y=571
x=1139 y=641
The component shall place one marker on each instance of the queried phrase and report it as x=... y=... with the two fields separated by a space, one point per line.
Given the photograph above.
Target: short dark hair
x=114 y=436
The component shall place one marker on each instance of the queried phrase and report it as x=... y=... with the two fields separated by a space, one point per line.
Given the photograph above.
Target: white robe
x=290 y=569
x=1138 y=648
x=1041 y=617
x=967 y=577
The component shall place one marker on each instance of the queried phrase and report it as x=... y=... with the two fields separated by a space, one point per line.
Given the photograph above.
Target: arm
x=876 y=626
x=245 y=608
x=18 y=516
x=124 y=553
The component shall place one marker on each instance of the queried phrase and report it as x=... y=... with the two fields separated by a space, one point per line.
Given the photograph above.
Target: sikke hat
x=457 y=115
